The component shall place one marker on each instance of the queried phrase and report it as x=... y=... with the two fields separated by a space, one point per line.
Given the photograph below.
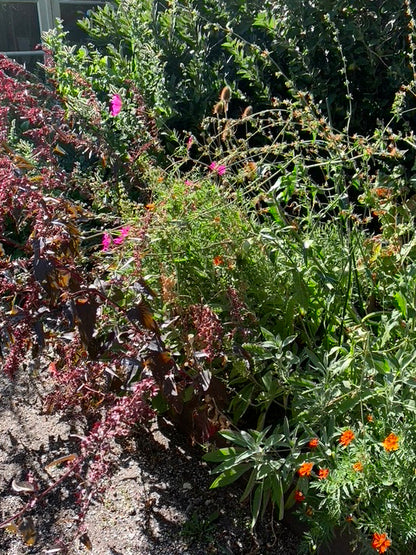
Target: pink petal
x=221 y=169
x=213 y=166
x=115 y=105
x=125 y=231
x=106 y=241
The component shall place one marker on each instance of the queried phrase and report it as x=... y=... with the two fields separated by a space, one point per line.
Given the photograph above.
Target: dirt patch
x=157 y=501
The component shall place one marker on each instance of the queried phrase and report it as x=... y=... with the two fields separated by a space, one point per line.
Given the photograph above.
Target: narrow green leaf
x=220 y=455
x=277 y=494
x=266 y=498
x=229 y=476
x=236 y=437
x=255 y=509
x=250 y=485
x=233 y=461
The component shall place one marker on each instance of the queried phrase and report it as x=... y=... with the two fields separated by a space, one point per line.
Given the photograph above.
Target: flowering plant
x=115 y=105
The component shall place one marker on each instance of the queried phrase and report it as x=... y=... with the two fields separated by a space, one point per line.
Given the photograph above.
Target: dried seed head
x=225 y=95
x=219 y=108
x=247 y=112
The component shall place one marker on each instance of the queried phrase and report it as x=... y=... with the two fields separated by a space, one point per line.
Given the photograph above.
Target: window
x=23 y=21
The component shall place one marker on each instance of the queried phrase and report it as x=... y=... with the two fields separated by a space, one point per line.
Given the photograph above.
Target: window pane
x=19 y=26
x=70 y=14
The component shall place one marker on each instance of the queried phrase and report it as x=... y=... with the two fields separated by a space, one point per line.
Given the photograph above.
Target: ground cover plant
x=208 y=228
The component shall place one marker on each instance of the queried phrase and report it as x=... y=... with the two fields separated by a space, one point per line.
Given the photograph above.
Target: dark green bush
x=351 y=57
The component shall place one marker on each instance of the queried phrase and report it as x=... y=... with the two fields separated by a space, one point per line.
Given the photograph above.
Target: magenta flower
x=124 y=231
x=106 y=242
x=115 y=105
x=219 y=168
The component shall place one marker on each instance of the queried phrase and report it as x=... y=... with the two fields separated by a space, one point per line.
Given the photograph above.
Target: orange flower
x=380 y=543
x=391 y=443
x=313 y=443
x=323 y=473
x=346 y=437
x=299 y=497
x=305 y=469
x=218 y=260
x=370 y=418
x=358 y=466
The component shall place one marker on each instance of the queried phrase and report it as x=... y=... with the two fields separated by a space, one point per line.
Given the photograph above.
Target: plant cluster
x=196 y=220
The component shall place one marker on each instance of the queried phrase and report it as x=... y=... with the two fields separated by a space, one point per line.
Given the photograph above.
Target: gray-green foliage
x=123 y=51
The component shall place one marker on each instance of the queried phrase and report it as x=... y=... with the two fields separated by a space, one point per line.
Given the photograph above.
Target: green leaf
x=277 y=494
x=288 y=340
x=238 y=438
x=220 y=455
x=255 y=509
x=250 y=484
x=241 y=402
x=401 y=303
x=229 y=476
x=234 y=461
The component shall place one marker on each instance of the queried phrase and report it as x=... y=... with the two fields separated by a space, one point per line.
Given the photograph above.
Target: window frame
x=48 y=11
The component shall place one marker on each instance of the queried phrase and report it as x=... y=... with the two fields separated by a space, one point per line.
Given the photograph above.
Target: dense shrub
x=352 y=58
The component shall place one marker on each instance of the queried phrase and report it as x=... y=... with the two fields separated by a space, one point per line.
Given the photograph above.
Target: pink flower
x=124 y=231
x=106 y=242
x=115 y=105
x=219 y=168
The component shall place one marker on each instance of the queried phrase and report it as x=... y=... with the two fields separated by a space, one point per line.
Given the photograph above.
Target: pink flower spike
x=115 y=105
x=106 y=241
x=213 y=166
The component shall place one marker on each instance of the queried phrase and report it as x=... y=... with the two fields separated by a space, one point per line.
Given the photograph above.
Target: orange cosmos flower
x=358 y=466
x=346 y=437
x=305 y=469
x=391 y=443
x=380 y=543
x=323 y=473
x=313 y=443
x=299 y=497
